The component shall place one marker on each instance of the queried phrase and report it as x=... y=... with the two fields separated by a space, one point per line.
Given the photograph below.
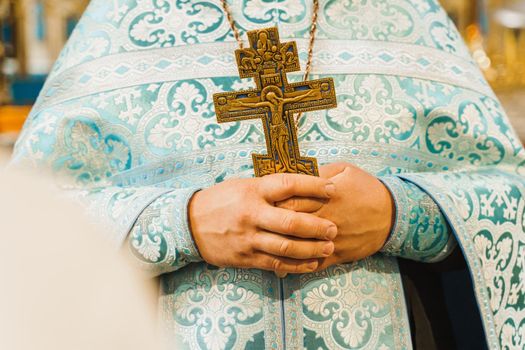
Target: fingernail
x=330 y=189
x=312 y=266
x=331 y=232
x=328 y=249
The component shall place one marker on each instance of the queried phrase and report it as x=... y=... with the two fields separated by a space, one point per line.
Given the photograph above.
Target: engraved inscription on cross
x=275 y=101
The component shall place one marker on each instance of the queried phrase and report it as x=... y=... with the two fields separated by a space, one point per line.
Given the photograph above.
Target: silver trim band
x=212 y=60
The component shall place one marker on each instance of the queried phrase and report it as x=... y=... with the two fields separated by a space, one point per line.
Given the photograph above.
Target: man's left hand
x=362 y=208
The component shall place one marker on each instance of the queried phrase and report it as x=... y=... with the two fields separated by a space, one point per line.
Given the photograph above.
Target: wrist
x=193 y=221
x=400 y=218
x=391 y=211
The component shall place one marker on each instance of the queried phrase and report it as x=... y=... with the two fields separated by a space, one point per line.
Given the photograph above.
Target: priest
x=417 y=162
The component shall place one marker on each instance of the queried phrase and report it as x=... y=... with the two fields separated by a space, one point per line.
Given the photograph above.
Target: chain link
x=313 y=29
x=229 y=16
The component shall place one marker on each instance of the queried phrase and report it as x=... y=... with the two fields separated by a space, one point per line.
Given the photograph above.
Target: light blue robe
x=126 y=122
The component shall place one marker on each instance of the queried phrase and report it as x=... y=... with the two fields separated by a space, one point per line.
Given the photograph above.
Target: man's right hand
x=236 y=224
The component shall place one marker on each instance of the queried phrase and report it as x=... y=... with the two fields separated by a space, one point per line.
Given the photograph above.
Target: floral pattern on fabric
x=372 y=96
x=393 y=22
x=220 y=309
x=335 y=310
x=215 y=313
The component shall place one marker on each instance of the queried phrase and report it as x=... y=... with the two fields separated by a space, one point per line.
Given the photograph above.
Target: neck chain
x=313 y=29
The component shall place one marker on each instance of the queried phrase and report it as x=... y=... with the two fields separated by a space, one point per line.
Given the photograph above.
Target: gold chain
x=313 y=29
x=229 y=16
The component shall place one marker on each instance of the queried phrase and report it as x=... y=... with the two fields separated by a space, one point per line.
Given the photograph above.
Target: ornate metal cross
x=275 y=101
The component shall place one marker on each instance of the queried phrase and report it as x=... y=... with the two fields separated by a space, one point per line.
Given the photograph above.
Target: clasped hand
x=362 y=208
x=290 y=223
x=236 y=224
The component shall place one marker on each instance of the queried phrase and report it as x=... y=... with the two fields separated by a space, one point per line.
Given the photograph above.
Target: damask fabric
x=420 y=230
x=126 y=121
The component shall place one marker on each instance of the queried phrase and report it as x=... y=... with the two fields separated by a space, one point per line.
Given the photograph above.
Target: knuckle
x=317 y=250
x=288 y=223
x=246 y=216
x=312 y=266
x=245 y=246
x=292 y=203
x=320 y=231
x=276 y=264
x=285 y=248
x=286 y=181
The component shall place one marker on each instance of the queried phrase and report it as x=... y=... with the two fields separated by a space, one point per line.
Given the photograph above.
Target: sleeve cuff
x=181 y=217
x=400 y=229
x=161 y=239
x=420 y=230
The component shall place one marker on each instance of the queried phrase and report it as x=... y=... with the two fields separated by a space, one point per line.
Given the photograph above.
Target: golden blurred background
x=494 y=31
x=32 y=33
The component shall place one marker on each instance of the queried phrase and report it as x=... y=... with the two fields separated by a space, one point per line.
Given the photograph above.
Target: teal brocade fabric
x=420 y=230
x=126 y=122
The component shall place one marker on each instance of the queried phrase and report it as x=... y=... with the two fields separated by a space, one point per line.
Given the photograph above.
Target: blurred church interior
x=32 y=33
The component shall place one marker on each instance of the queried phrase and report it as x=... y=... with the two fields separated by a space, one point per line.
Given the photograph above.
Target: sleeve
x=85 y=154
x=161 y=239
x=485 y=209
x=420 y=231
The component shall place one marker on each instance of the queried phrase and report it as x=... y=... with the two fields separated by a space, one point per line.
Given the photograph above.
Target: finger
x=281 y=274
x=302 y=204
x=331 y=170
x=278 y=187
x=346 y=172
x=279 y=245
x=284 y=266
x=291 y=223
x=327 y=262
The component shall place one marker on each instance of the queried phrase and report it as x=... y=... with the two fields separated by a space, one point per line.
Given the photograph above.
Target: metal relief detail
x=275 y=101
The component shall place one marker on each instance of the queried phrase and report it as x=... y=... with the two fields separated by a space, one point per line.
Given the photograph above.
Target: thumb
x=345 y=172
x=331 y=170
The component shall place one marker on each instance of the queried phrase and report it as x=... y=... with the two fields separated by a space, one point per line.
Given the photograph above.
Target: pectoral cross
x=275 y=101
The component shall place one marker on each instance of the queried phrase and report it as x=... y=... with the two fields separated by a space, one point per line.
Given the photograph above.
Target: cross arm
x=236 y=106
x=311 y=95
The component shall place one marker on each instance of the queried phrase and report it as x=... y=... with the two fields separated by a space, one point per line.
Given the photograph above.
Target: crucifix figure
x=275 y=101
